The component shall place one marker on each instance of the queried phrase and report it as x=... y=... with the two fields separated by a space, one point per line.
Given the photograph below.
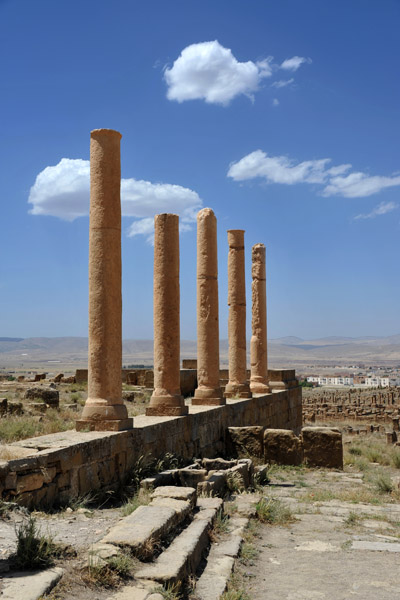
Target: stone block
x=322 y=447
x=191 y=477
x=217 y=464
x=215 y=484
x=48 y=395
x=179 y=493
x=245 y=441
x=29 y=482
x=283 y=447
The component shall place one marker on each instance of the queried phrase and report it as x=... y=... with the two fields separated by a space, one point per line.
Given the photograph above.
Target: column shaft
x=166 y=399
x=208 y=390
x=237 y=384
x=258 y=344
x=104 y=408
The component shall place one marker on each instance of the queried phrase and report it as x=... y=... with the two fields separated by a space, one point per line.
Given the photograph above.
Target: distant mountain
x=288 y=340
x=286 y=351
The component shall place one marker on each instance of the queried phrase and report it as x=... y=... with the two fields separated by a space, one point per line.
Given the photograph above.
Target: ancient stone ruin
x=358 y=405
x=106 y=444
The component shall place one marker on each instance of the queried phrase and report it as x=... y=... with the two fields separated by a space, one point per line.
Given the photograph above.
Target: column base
x=237 y=390
x=208 y=401
x=208 y=397
x=166 y=406
x=259 y=388
x=104 y=424
x=166 y=411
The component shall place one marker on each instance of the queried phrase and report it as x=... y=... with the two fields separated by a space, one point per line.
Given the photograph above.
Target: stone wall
x=145 y=378
x=55 y=468
x=360 y=405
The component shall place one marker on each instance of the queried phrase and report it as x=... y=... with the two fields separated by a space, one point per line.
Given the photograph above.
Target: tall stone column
x=104 y=408
x=237 y=385
x=166 y=399
x=258 y=344
x=208 y=390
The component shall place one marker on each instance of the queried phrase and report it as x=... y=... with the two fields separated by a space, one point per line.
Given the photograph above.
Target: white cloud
x=382 y=209
x=292 y=64
x=280 y=169
x=282 y=83
x=275 y=102
x=63 y=191
x=358 y=185
x=211 y=72
x=277 y=169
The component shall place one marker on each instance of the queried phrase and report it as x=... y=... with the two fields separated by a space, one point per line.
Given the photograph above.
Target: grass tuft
x=274 y=512
x=34 y=550
x=383 y=483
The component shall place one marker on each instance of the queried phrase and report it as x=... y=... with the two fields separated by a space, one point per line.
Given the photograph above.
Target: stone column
x=166 y=399
x=208 y=390
x=237 y=384
x=104 y=408
x=258 y=344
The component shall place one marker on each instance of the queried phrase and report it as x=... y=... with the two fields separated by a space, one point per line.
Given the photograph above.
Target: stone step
x=220 y=562
x=183 y=556
x=148 y=524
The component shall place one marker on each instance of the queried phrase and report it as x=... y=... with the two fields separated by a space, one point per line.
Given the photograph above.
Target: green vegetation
x=248 y=553
x=142 y=497
x=14 y=428
x=172 y=591
x=274 y=512
x=383 y=483
x=109 y=573
x=34 y=550
x=353 y=519
x=235 y=589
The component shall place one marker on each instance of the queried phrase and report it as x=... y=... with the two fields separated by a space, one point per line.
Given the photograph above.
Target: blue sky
x=230 y=104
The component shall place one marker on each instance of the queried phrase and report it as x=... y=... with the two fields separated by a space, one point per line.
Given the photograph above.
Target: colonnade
x=104 y=408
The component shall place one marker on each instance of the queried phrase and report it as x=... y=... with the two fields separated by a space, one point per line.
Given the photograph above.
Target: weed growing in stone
x=110 y=574
x=274 y=512
x=248 y=553
x=234 y=483
x=142 y=497
x=170 y=592
x=221 y=526
x=235 y=589
x=34 y=550
x=353 y=519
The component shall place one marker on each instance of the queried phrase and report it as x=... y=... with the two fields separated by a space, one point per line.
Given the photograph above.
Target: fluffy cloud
x=63 y=191
x=277 y=169
x=280 y=169
x=382 y=209
x=210 y=72
x=358 y=185
x=292 y=64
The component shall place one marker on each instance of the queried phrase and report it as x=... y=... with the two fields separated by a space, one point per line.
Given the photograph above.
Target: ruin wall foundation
x=357 y=405
x=56 y=468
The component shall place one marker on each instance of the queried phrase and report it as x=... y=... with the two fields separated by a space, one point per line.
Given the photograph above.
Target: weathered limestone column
x=104 y=408
x=208 y=390
x=237 y=385
x=166 y=399
x=258 y=343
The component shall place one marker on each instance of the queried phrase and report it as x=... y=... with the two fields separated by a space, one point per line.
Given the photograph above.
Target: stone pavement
x=325 y=555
